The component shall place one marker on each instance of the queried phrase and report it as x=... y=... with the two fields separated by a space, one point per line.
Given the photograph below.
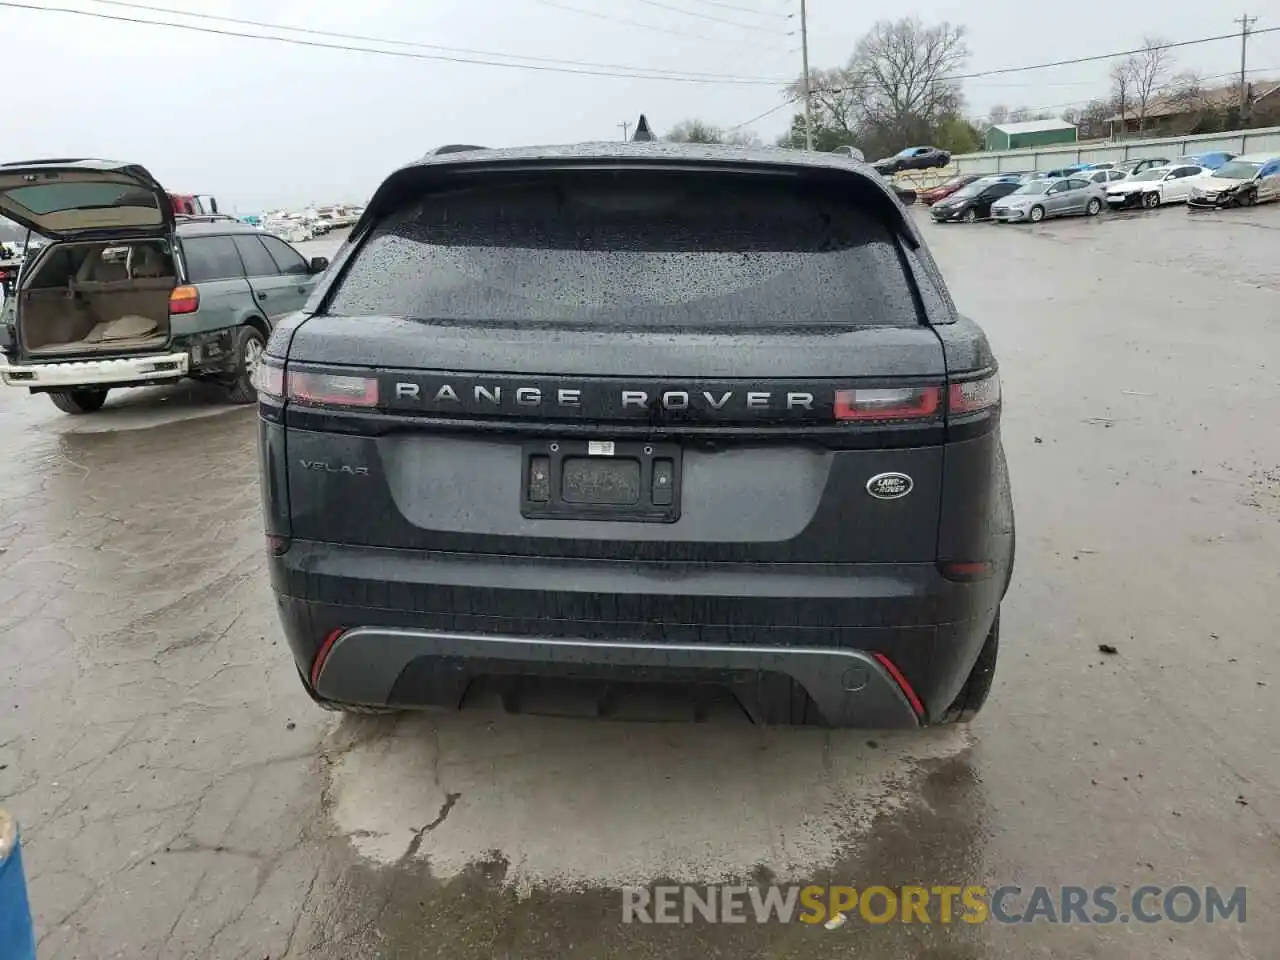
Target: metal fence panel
x=1264 y=140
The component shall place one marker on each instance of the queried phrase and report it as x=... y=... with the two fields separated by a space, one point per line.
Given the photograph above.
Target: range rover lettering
x=633 y=413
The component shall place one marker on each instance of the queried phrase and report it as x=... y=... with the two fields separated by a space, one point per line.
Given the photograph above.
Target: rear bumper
x=96 y=373
x=380 y=626
x=849 y=687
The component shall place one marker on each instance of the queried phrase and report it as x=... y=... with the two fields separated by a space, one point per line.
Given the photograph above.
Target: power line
x=772 y=110
x=1001 y=71
x=706 y=16
x=1101 y=56
x=412 y=43
x=756 y=12
x=405 y=54
x=640 y=24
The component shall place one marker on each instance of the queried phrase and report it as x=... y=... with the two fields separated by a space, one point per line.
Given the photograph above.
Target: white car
x=293 y=231
x=1155 y=187
x=1241 y=182
x=1102 y=175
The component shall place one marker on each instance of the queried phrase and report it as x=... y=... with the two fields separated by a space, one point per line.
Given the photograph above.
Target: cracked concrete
x=171 y=811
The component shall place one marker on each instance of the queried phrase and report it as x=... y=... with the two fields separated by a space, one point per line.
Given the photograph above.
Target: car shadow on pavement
x=144 y=408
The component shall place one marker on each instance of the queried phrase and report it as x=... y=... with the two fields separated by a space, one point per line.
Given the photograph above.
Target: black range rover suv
x=638 y=412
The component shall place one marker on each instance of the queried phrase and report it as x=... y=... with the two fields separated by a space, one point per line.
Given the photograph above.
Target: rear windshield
x=632 y=251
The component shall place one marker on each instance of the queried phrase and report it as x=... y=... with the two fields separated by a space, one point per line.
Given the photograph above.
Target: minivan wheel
x=250 y=344
x=974 y=692
x=78 y=401
x=1037 y=214
x=1095 y=205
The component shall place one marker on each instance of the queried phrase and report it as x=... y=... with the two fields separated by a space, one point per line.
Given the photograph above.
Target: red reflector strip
x=323 y=654
x=901 y=681
x=333 y=390
x=891 y=403
x=966 y=571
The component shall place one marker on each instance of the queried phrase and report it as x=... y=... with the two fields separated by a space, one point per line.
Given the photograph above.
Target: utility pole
x=808 y=104
x=626 y=126
x=1245 y=22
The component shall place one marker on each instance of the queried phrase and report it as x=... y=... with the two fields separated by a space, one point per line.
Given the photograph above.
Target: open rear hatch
x=76 y=199
x=103 y=285
x=637 y=364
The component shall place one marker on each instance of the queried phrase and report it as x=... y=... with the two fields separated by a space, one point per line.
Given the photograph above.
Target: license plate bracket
x=635 y=481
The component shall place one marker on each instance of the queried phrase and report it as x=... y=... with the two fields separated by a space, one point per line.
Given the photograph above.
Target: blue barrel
x=17 y=936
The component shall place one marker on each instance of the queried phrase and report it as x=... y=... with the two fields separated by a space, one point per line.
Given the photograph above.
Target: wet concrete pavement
x=181 y=797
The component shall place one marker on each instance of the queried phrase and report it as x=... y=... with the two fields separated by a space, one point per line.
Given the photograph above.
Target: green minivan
x=129 y=294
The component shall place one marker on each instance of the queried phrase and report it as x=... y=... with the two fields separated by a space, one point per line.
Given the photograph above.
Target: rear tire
x=249 y=347
x=78 y=401
x=973 y=694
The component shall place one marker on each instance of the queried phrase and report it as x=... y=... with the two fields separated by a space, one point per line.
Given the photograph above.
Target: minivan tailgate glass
x=68 y=198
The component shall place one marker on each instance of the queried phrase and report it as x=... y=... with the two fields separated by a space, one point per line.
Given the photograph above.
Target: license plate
x=601 y=480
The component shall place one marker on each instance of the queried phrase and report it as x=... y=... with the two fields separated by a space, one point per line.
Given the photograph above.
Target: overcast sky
x=261 y=123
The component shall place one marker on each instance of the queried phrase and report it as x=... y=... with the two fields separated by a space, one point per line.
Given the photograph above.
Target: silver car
x=1034 y=201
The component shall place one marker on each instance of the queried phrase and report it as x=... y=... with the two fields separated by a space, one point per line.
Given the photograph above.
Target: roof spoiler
x=454 y=148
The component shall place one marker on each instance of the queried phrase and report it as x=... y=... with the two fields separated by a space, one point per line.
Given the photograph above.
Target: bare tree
x=999 y=114
x=1072 y=116
x=836 y=97
x=1092 y=120
x=1020 y=115
x=695 y=131
x=1148 y=69
x=895 y=90
x=902 y=69
x=1186 y=90
x=1122 y=83
x=742 y=138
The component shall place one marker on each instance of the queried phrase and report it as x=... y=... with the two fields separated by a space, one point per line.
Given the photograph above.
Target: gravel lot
x=181 y=798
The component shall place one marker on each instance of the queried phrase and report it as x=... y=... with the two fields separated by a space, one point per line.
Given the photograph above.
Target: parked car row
x=1207 y=180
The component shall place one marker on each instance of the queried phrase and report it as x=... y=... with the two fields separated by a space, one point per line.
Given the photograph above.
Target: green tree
x=958 y=135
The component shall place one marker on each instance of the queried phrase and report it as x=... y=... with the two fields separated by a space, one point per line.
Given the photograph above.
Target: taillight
x=888 y=403
x=268 y=379
x=184 y=300
x=331 y=389
x=974 y=395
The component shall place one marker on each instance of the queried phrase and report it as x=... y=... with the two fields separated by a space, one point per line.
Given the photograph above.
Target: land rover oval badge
x=889 y=486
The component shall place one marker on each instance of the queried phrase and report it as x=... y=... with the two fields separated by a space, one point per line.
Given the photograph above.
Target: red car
x=944 y=190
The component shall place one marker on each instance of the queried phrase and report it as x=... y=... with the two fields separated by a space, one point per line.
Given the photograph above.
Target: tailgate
x=639 y=366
